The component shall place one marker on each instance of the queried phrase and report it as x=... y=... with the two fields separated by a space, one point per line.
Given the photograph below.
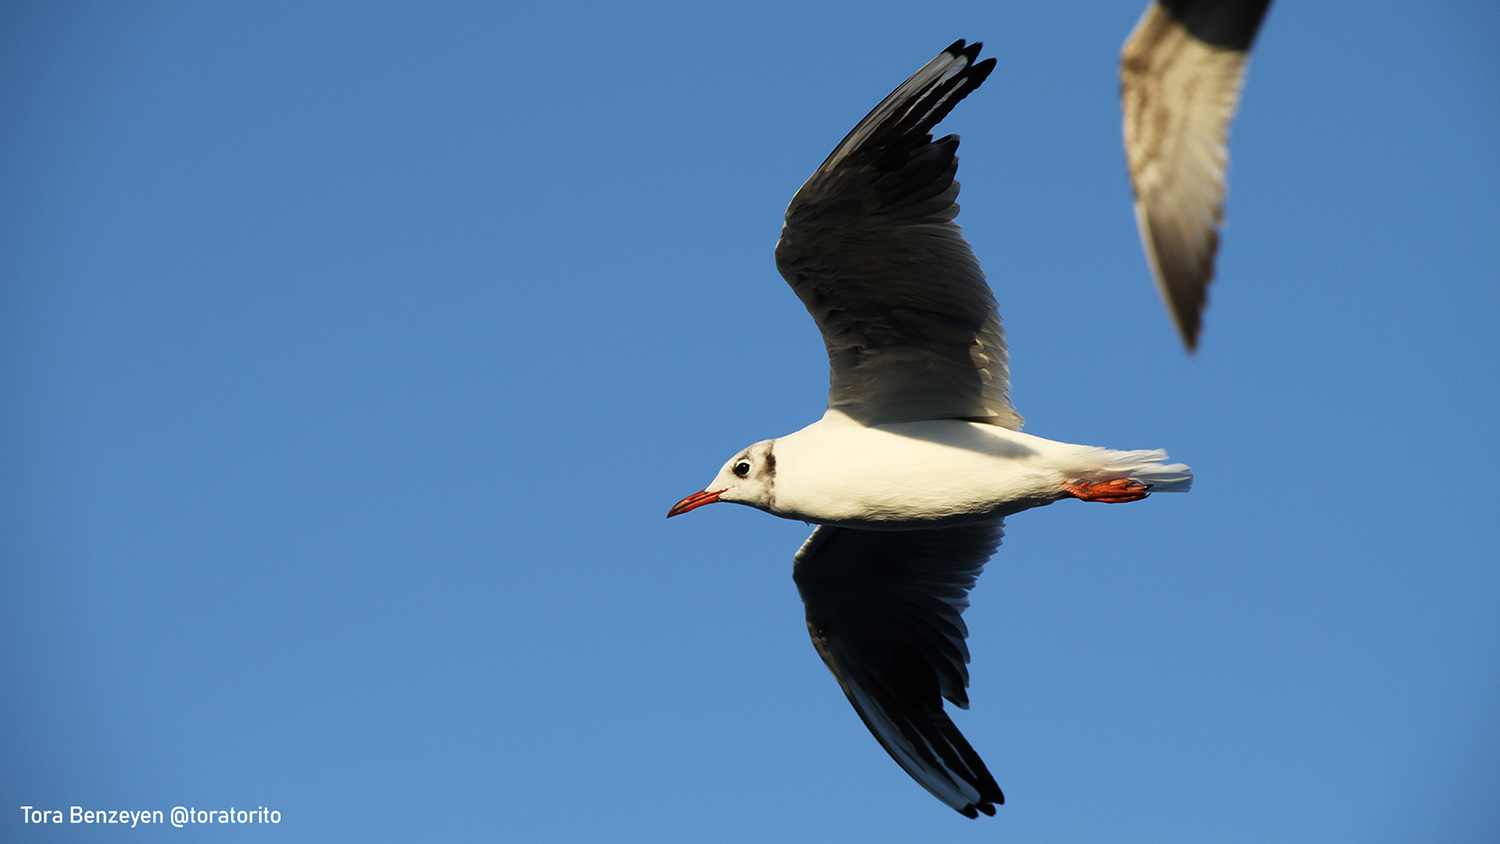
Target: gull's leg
x=1110 y=492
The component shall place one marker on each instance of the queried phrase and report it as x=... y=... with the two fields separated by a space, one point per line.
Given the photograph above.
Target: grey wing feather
x=1181 y=71
x=870 y=247
x=884 y=609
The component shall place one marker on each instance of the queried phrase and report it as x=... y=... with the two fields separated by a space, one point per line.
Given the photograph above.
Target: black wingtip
x=1189 y=320
x=985 y=805
x=981 y=70
x=977 y=71
x=990 y=796
x=1226 y=24
x=958 y=48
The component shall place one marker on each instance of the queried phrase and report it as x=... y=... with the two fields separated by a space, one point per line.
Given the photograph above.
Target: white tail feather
x=1149 y=467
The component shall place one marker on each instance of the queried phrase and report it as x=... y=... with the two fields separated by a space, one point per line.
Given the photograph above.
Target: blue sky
x=352 y=355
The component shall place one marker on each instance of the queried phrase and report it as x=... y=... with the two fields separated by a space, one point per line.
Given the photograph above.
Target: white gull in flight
x=919 y=457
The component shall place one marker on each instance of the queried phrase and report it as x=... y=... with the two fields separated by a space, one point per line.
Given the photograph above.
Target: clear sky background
x=351 y=356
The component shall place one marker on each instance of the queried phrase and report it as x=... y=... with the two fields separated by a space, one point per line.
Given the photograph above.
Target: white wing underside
x=870 y=247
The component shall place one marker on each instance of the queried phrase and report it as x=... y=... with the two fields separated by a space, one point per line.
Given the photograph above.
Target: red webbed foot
x=1110 y=492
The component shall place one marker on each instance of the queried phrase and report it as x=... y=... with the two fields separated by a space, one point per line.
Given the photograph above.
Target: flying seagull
x=1180 y=76
x=919 y=457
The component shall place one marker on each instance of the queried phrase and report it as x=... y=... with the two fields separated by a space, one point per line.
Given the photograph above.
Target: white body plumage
x=929 y=473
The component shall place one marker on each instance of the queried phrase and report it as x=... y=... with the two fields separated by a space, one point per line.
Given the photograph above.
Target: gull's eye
x=742 y=468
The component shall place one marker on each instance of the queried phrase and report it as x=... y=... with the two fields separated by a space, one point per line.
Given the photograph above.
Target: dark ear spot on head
x=771 y=460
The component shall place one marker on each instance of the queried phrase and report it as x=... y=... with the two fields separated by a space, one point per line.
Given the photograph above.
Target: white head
x=748 y=478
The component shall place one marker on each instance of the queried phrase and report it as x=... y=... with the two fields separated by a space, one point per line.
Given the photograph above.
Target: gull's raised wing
x=1180 y=76
x=885 y=612
x=870 y=247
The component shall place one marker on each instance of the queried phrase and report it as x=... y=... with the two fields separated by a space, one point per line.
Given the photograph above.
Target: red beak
x=694 y=501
